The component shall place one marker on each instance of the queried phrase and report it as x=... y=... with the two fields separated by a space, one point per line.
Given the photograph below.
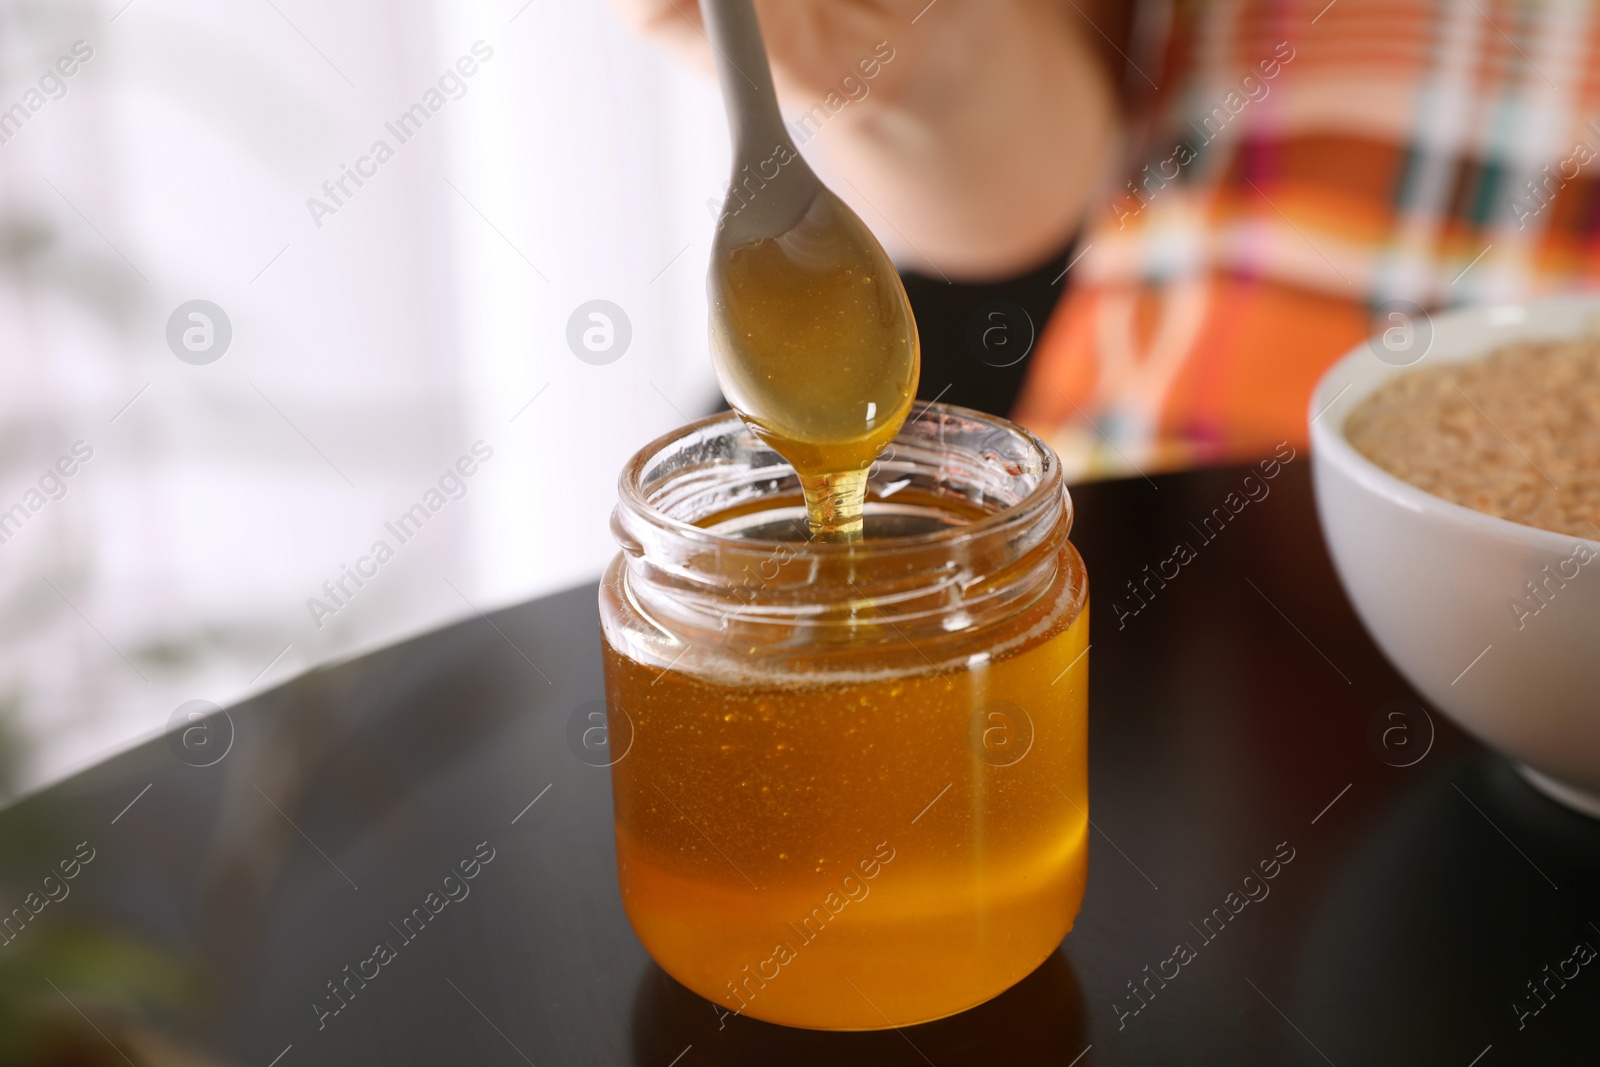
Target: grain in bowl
x=1515 y=435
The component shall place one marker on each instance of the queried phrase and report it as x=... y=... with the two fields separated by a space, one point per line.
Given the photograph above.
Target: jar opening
x=950 y=473
x=967 y=521
x=966 y=554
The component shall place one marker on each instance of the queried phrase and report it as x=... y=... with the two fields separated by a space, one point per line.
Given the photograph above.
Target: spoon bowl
x=812 y=335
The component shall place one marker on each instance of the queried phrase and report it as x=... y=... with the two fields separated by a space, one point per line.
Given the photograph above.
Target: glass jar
x=854 y=793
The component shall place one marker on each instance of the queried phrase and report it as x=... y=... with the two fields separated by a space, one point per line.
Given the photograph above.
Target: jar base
x=784 y=1020
x=901 y=951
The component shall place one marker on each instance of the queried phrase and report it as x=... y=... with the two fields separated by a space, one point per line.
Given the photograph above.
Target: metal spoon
x=812 y=335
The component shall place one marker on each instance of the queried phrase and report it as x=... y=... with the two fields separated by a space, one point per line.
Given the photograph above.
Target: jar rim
x=1050 y=490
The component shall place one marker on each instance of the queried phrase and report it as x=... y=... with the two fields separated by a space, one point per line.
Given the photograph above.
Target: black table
x=1241 y=713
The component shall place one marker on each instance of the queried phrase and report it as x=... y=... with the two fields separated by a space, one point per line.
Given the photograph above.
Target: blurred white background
x=367 y=355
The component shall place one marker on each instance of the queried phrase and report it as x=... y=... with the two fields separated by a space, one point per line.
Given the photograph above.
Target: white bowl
x=1435 y=582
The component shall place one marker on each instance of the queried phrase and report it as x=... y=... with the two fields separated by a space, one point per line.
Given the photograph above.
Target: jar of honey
x=853 y=785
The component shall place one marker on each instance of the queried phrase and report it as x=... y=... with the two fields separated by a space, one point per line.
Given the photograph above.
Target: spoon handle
x=746 y=80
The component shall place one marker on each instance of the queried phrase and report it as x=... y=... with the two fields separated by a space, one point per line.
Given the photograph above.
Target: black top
x=1427 y=907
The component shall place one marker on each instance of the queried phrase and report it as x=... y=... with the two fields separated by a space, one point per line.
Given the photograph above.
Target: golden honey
x=855 y=795
x=768 y=858
x=815 y=345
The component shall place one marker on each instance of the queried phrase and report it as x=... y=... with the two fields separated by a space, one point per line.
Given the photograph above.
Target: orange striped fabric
x=1301 y=166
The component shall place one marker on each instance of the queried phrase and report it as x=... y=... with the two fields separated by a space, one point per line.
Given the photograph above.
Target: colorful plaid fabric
x=1303 y=165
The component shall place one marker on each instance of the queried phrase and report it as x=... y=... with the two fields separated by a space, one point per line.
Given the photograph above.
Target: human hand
x=988 y=123
x=812 y=44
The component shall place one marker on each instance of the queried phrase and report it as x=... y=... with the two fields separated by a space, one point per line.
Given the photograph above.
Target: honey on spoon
x=812 y=336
